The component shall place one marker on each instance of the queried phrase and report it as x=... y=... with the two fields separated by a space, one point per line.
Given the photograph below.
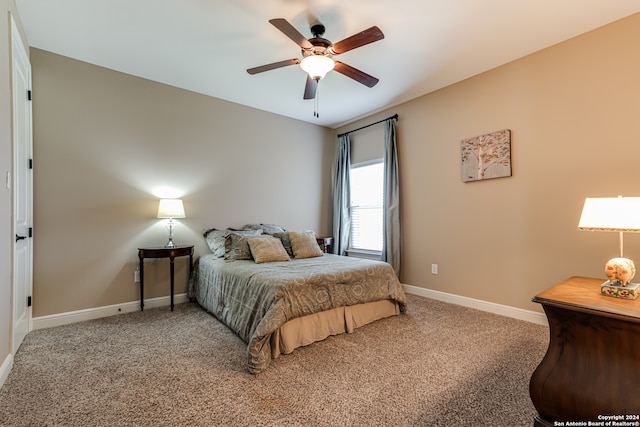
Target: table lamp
x=170 y=208
x=621 y=214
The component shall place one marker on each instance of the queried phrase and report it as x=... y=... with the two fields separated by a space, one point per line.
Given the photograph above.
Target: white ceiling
x=206 y=46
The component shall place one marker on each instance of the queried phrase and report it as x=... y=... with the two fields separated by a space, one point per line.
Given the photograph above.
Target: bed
x=277 y=306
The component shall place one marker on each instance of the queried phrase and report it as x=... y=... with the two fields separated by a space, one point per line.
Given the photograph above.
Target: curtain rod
x=395 y=116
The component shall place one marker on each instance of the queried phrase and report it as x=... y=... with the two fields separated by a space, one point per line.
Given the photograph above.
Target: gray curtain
x=391 y=199
x=342 y=197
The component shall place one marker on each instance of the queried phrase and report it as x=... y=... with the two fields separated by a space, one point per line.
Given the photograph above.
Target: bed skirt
x=314 y=327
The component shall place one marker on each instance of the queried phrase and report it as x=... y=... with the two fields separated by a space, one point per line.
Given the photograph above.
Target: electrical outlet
x=136 y=276
x=434 y=268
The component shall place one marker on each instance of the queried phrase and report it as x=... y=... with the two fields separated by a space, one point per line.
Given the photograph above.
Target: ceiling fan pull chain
x=316 y=102
x=315 y=107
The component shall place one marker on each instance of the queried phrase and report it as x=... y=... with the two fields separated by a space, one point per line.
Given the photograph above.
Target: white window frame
x=361 y=252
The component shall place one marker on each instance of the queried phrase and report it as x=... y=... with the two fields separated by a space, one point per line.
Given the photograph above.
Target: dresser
x=592 y=366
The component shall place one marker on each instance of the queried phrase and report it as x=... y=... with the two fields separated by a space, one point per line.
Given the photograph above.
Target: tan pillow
x=267 y=250
x=304 y=244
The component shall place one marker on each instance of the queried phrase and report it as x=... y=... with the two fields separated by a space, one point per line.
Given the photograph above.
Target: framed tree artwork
x=486 y=156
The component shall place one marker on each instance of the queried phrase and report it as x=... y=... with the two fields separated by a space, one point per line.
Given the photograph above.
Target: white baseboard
x=5 y=368
x=503 y=310
x=98 y=312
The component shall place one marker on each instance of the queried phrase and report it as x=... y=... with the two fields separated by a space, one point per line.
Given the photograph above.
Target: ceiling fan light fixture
x=317 y=66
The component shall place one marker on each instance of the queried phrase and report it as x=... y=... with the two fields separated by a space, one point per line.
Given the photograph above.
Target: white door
x=22 y=190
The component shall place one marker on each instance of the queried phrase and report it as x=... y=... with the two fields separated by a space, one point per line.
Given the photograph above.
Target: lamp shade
x=620 y=214
x=317 y=66
x=171 y=208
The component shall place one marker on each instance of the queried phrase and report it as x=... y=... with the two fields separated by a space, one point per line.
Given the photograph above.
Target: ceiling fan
x=318 y=52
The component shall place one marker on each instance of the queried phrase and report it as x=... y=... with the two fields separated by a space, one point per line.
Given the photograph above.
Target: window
x=367 y=186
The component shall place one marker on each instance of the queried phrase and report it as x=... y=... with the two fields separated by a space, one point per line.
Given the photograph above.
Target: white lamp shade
x=171 y=208
x=317 y=66
x=620 y=214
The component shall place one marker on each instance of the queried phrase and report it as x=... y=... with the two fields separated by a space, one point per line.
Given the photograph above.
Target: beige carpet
x=439 y=365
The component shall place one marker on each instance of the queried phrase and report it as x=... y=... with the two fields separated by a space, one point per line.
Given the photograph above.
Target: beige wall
x=573 y=113
x=106 y=144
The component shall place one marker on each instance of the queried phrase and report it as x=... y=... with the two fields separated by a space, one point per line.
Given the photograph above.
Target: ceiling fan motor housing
x=320 y=44
x=320 y=47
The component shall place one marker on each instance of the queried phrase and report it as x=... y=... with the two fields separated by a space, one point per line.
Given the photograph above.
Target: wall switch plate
x=434 y=268
x=136 y=276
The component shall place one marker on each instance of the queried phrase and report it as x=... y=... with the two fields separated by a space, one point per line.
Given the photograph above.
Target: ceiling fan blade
x=273 y=66
x=310 y=88
x=367 y=36
x=355 y=74
x=290 y=31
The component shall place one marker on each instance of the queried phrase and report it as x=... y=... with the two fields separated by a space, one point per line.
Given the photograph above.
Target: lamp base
x=610 y=289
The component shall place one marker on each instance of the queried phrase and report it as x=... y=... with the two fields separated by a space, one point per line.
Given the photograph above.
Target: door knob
x=20 y=237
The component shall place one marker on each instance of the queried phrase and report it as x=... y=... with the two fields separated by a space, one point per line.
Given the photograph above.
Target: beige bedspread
x=254 y=300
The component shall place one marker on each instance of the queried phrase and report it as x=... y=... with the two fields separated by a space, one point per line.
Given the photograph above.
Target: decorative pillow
x=215 y=240
x=236 y=245
x=304 y=244
x=286 y=242
x=266 y=228
x=267 y=250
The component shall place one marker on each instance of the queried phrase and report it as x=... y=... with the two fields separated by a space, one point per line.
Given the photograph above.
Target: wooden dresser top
x=583 y=294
